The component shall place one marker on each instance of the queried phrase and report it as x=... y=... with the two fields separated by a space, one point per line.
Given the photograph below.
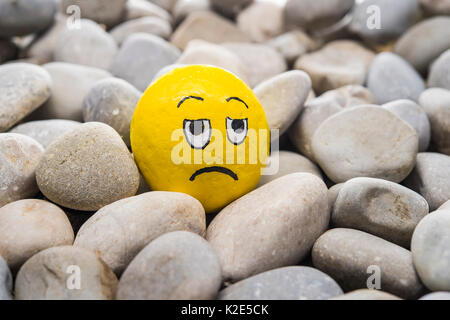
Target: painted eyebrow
x=188 y=97
x=237 y=99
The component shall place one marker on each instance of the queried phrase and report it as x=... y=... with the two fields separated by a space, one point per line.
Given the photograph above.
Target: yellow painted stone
x=202 y=131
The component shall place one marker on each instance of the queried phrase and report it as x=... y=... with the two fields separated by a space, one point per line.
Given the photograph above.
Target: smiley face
x=202 y=131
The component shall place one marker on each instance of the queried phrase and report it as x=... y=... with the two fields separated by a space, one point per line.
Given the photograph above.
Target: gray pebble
x=439 y=72
x=108 y=12
x=6 y=280
x=293 y=44
x=152 y=25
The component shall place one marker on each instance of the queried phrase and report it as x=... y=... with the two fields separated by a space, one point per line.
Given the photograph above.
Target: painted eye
x=236 y=130
x=197 y=132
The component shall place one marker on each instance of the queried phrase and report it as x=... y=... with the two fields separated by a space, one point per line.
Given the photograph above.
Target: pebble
x=230 y=7
x=112 y=101
x=136 y=9
x=367 y=294
x=202 y=52
x=88 y=45
x=293 y=44
x=135 y=65
x=283 y=97
x=394 y=19
x=29 y=226
x=8 y=50
x=439 y=72
x=391 y=78
x=107 y=12
x=424 y=42
x=333 y=193
x=348 y=256
x=71 y=84
x=19 y=157
x=176 y=266
x=261 y=21
x=441 y=7
x=183 y=8
x=439 y=295
x=338 y=63
x=287 y=162
x=431 y=252
x=315 y=14
x=436 y=103
x=255 y=57
x=45 y=131
x=22 y=17
x=165 y=4
x=152 y=25
x=415 y=116
x=372 y=142
x=52 y=275
x=431 y=178
x=272 y=226
x=136 y=221
x=206 y=26
x=6 y=281
x=87 y=168
x=350 y=95
x=379 y=207
x=288 y=283
x=23 y=88
x=446 y=205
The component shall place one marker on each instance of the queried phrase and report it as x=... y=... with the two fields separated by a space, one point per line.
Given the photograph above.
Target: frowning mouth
x=214 y=169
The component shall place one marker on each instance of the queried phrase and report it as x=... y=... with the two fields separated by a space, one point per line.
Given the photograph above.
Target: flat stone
x=351 y=256
x=87 y=168
x=439 y=71
x=293 y=44
x=152 y=25
x=136 y=9
x=39 y=223
x=230 y=7
x=112 y=101
x=288 y=283
x=270 y=227
x=51 y=275
x=177 y=265
x=135 y=65
x=431 y=178
x=107 y=12
x=372 y=142
x=366 y=294
x=431 y=252
x=23 y=88
x=134 y=222
x=6 y=281
x=379 y=207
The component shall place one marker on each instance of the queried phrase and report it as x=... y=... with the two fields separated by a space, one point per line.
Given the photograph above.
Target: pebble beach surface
x=359 y=208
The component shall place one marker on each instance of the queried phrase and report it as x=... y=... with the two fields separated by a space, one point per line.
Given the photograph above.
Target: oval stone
x=438 y=76
x=367 y=294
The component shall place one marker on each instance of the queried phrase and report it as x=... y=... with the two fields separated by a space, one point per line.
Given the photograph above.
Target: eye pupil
x=237 y=125
x=196 y=127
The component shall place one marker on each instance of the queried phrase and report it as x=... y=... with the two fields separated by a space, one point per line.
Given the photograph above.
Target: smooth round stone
x=176 y=266
x=283 y=97
x=6 y=281
x=107 y=12
x=312 y=14
x=112 y=101
x=88 y=45
x=71 y=84
x=39 y=223
x=367 y=294
x=255 y=57
x=333 y=193
x=431 y=178
x=19 y=158
x=230 y=7
x=431 y=252
x=446 y=205
x=152 y=25
x=22 y=17
x=350 y=95
x=338 y=63
x=415 y=116
x=270 y=227
x=288 y=283
x=136 y=9
x=183 y=8
x=45 y=131
x=293 y=44
x=395 y=18
x=51 y=275
x=287 y=162
x=439 y=295
x=436 y=103
x=135 y=65
x=346 y=255
x=134 y=222
x=87 y=168
x=439 y=72
x=379 y=207
x=167 y=69
x=8 y=50
x=372 y=142
x=165 y=4
x=23 y=88
x=441 y=7
x=424 y=42
x=261 y=21
x=391 y=78
x=202 y=52
x=207 y=26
